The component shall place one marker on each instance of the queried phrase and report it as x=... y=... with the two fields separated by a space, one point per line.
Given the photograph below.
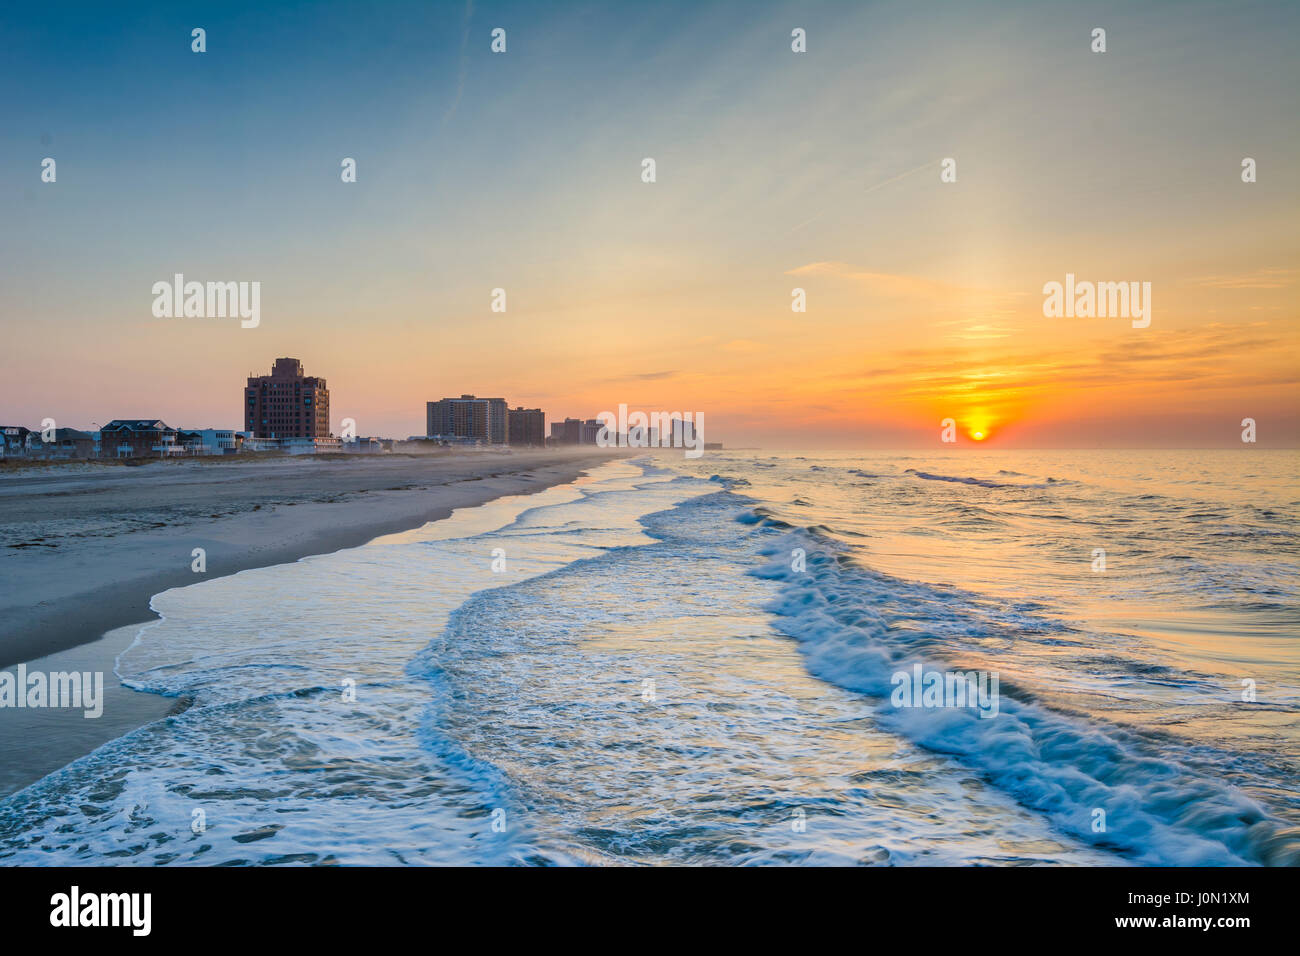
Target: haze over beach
x=709 y=434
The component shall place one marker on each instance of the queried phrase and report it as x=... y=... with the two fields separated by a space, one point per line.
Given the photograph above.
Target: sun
x=979 y=426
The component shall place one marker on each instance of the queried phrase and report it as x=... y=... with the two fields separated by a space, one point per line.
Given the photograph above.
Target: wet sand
x=84 y=547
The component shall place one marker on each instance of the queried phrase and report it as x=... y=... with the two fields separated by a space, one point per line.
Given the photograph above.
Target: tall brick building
x=137 y=438
x=527 y=427
x=287 y=403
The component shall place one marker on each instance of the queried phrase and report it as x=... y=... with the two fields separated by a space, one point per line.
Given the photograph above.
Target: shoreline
x=105 y=583
x=64 y=733
x=93 y=548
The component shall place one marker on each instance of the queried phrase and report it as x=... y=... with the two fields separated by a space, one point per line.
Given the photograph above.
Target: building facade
x=287 y=403
x=138 y=438
x=73 y=443
x=567 y=432
x=578 y=431
x=467 y=417
x=16 y=440
x=209 y=441
x=527 y=427
x=497 y=420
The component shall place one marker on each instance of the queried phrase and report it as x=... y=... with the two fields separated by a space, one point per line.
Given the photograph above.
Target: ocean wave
x=982 y=482
x=762 y=515
x=856 y=628
x=986 y=483
x=305 y=711
x=705 y=769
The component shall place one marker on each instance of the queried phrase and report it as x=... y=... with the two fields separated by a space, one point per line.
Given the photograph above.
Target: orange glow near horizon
x=979 y=424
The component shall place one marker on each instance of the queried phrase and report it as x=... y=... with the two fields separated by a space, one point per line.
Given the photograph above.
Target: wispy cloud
x=654 y=376
x=891 y=284
x=639 y=377
x=1258 y=279
x=894 y=179
x=463 y=70
x=742 y=345
x=871 y=189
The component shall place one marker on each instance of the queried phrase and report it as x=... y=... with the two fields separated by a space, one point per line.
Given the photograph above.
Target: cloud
x=742 y=345
x=642 y=377
x=463 y=71
x=1218 y=356
x=894 y=179
x=1259 y=279
x=890 y=284
x=654 y=376
x=871 y=189
x=963 y=330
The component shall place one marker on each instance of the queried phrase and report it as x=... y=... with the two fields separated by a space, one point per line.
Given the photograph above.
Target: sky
x=775 y=170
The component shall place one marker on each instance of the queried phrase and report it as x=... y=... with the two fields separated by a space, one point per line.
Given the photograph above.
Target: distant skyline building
x=498 y=427
x=567 y=432
x=468 y=417
x=576 y=431
x=464 y=417
x=287 y=403
x=526 y=427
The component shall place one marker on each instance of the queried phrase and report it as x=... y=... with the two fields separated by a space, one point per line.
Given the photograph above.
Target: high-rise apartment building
x=527 y=426
x=287 y=403
x=567 y=432
x=498 y=427
x=483 y=419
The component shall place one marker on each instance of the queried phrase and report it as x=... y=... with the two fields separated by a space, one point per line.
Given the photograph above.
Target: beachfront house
x=208 y=441
x=363 y=446
x=310 y=446
x=138 y=438
x=71 y=443
x=16 y=441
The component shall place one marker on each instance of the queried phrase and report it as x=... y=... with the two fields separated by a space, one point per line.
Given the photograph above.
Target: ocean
x=698 y=662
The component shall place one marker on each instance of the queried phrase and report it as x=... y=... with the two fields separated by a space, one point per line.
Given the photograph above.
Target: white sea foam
x=625 y=689
x=1122 y=691
x=281 y=766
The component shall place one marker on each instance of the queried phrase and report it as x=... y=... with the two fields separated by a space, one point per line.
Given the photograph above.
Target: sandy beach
x=84 y=546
